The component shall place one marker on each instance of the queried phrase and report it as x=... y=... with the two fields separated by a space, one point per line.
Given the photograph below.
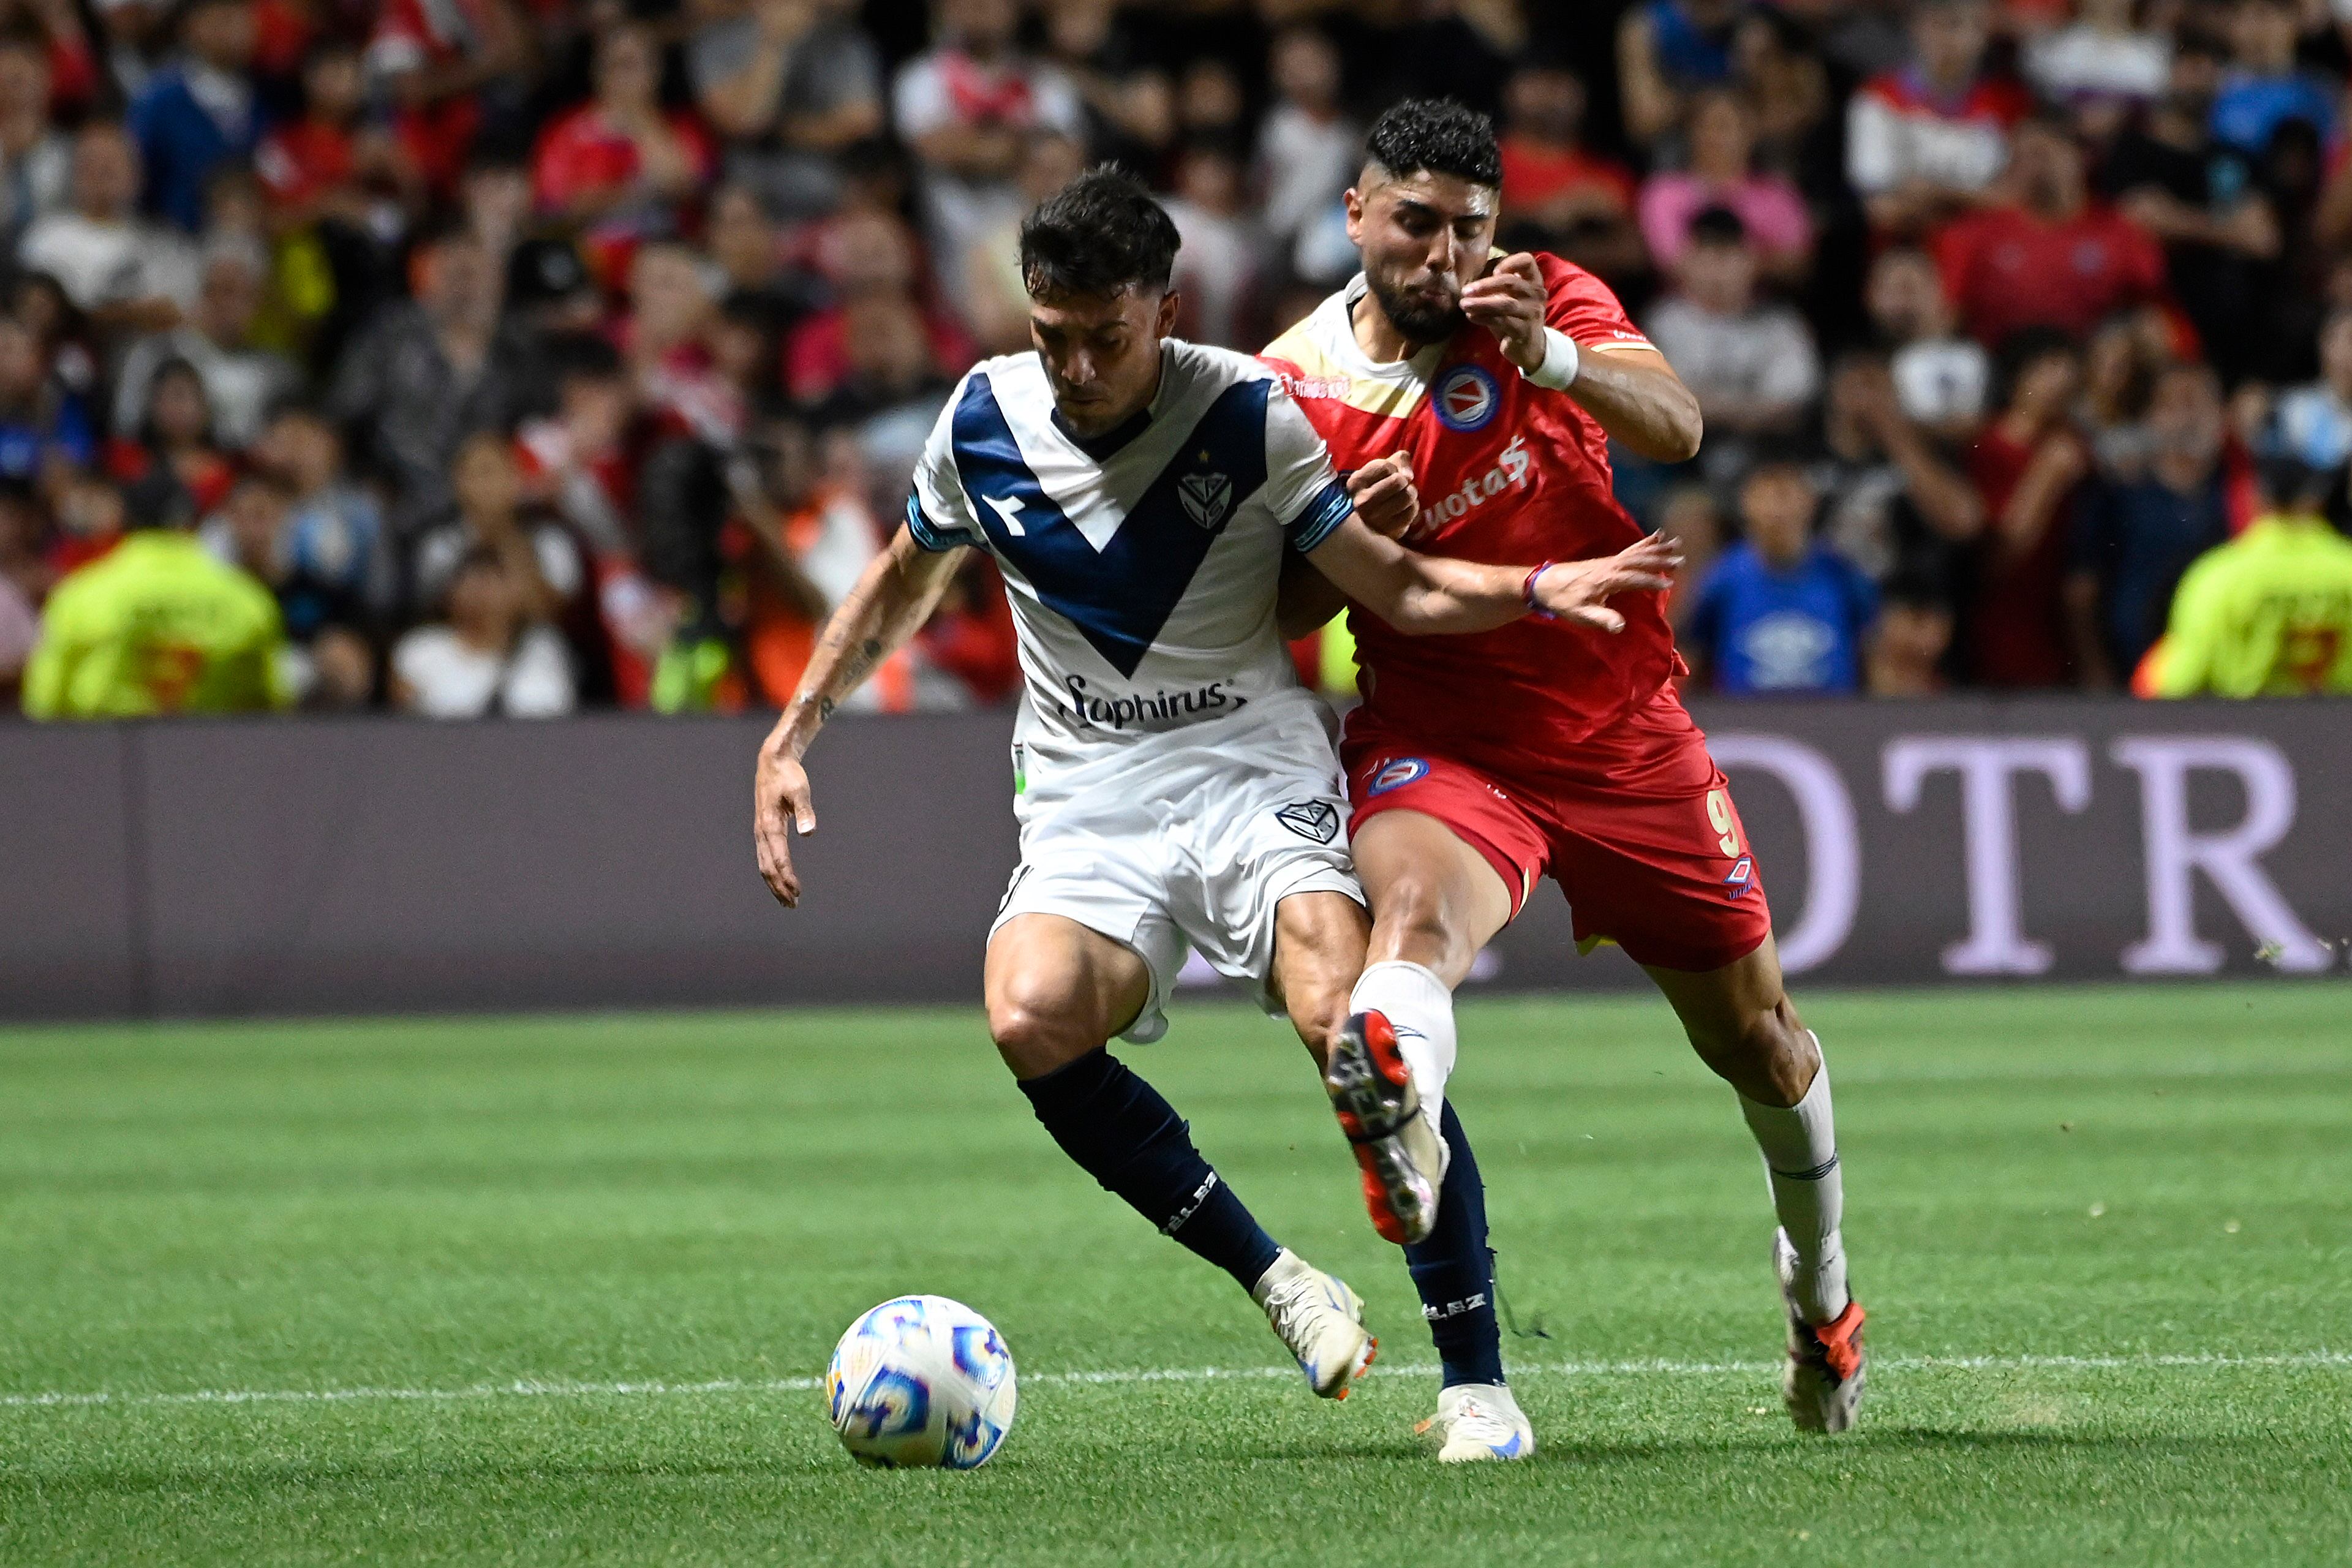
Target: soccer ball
x=921 y=1380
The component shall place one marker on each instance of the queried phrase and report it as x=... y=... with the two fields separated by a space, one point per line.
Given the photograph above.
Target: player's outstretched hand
x=1508 y=301
x=781 y=806
x=1579 y=591
x=1384 y=495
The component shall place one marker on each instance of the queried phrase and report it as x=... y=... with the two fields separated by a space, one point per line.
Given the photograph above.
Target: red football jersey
x=1509 y=472
x=2006 y=269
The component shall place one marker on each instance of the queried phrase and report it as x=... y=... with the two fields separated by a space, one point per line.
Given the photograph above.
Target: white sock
x=1418 y=1006
x=1799 y=1145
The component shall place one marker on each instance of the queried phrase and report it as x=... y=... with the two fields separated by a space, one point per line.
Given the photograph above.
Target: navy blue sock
x=1455 y=1272
x=1127 y=1138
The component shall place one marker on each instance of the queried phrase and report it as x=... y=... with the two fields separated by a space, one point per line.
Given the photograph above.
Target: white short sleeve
x=559 y=560
x=1058 y=103
x=1792 y=371
x=538 y=677
x=920 y=103
x=1872 y=153
x=1306 y=496
x=938 y=512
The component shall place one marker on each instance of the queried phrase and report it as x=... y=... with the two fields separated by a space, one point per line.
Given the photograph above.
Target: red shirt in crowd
x=973 y=637
x=411 y=34
x=299 y=163
x=2005 y=269
x=582 y=153
x=205 y=474
x=73 y=72
x=2015 y=629
x=282 y=32
x=816 y=351
x=1900 y=127
x=1535 y=176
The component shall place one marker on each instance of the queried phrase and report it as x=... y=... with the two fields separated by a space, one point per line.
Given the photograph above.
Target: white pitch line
x=520 y=1389
x=544 y=1389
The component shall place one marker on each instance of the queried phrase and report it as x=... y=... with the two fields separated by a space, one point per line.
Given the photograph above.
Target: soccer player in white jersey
x=1174 y=782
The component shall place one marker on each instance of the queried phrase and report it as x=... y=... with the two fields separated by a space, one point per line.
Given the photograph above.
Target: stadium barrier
x=331 y=866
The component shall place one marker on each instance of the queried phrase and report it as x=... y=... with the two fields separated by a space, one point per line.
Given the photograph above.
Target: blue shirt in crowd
x=27 y=440
x=2250 y=108
x=2315 y=426
x=1795 y=628
x=1686 y=54
x=189 y=120
x=2138 y=538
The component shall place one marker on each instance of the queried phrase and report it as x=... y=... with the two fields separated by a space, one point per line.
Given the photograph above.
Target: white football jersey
x=1142 y=565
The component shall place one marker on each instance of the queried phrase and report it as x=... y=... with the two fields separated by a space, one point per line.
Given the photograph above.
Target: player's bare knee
x=1036 y=1038
x=1763 y=1052
x=1776 y=1057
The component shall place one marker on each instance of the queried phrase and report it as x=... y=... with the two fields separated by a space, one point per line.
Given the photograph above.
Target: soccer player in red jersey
x=1478 y=763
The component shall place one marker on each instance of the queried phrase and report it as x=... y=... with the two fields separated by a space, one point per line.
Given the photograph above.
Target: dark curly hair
x=1097 y=234
x=1436 y=136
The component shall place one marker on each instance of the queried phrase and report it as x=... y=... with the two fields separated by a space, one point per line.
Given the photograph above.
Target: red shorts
x=1635 y=824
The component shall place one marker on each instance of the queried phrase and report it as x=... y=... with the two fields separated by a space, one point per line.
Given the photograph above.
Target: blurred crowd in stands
x=513 y=356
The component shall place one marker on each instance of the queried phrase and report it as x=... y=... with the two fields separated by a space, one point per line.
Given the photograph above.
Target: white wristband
x=1560 y=362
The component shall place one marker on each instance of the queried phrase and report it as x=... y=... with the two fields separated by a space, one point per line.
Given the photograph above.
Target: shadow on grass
x=1881 y=1442
x=24 y=1491
x=1872 y=1442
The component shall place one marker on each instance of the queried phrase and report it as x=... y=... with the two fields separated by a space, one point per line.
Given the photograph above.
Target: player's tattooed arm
x=1631 y=390
x=897 y=594
x=1421 y=595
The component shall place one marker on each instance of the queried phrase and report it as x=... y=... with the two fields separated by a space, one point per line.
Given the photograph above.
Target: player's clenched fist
x=1508 y=301
x=781 y=805
x=1579 y=591
x=1384 y=494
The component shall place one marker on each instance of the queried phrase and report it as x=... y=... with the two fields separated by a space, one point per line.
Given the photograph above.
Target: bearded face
x=1426 y=309
x=1423 y=236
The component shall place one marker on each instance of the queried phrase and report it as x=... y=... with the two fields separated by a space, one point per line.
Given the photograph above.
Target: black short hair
x=2023 y=349
x=1718 y=226
x=476 y=558
x=2051 y=121
x=298 y=405
x=1914 y=587
x=1780 y=467
x=448 y=230
x=543 y=271
x=156 y=500
x=2287 y=481
x=1436 y=136
x=276 y=484
x=588 y=356
x=1097 y=234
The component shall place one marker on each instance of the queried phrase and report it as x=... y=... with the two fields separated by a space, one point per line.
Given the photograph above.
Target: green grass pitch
x=557 y=1291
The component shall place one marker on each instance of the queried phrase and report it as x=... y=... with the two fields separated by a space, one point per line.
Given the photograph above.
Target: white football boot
x=1321 y=1320
x=1477 y=1422
x=1402 y=1155
x=1822 y=1387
